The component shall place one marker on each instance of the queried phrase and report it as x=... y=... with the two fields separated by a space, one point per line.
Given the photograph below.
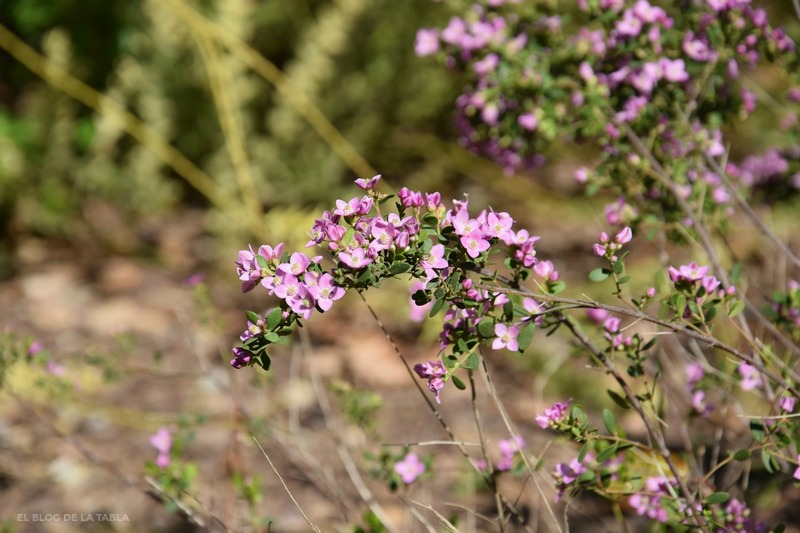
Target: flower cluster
x=623 y=68
x=433 y=371
x=438 y=247
x=554 y=415
x=697 y=292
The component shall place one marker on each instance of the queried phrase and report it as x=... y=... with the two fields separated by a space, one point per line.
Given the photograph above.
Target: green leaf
x=736 y=308
x=770 y=464
x=618 y=267
x=252 y=316
x=679 y=303
x=599 y=274
x=607 y=454
x=624 y=279
x=472 y=362
x=399 y=268
x=263 y=360
x=526 y=336
x=458 y=383
x=757 y=429
x=610 y=422
x=421 y=297
x=274 y=318
x=486 y=328
x=619 y=400
x=718 y=497
x=583 y=452
x=450 y=361
x=742 y=455
x=348 y=237
x=586 y=477
x=437 y=306
x=556 y=287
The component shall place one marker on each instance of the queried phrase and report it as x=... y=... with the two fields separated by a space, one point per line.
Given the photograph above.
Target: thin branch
x=492 y=482
x=657 y=436
x=344 y=453
x=285 y=487
x=710 y=341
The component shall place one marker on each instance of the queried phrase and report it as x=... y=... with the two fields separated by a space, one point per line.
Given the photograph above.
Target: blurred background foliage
x=67 y=169
x=186 y=108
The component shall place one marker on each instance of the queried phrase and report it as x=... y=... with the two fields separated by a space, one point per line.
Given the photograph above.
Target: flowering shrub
x=652 y=88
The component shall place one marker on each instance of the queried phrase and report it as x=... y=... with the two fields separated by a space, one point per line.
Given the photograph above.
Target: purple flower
x=433 y=372
x=505 y=337
x=797 y=471
x=410 y=468
x=241 y=357
x=553 y=415
x=369 y=184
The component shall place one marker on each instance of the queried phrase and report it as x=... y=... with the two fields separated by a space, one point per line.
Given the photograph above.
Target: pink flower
x=528 y=121
x=624 y=236
x=427 y=42
x=35 y=347
x=505 y=337
x=787 y=404
x=694 y=373
x=355 y=259
x=418 y=312
x=597 y=316
x=674 y=70
x=297 y=265
x=545 y=269
x=410 y=468
x=797 y=472
x=508 y=449
x=434 y=259
x=475 y=243
x=690 y=272
x=750 y=377
x=325 y=292
x=162 y=441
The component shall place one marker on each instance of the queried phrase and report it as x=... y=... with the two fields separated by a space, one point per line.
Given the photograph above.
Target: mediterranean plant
x=654 y=90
